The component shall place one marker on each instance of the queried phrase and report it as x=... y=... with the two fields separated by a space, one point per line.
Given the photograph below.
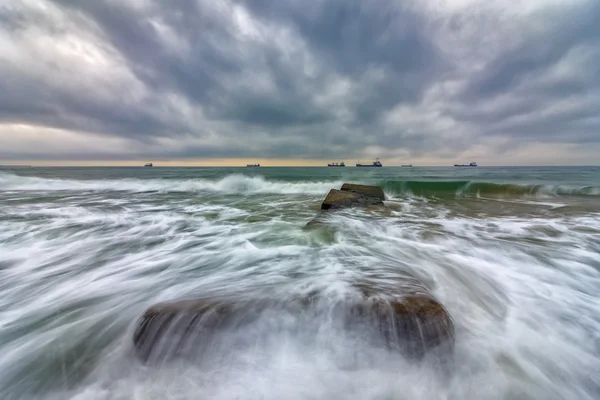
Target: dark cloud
x=543 y=84
x=566 y=29
x=314 y=79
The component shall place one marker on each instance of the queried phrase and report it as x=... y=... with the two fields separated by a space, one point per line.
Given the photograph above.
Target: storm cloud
x=315 y=79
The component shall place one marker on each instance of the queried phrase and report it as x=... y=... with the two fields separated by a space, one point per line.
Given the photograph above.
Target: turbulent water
x=512 y=253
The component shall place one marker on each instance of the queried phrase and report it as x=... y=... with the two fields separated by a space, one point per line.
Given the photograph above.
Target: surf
x=82 y=259
x=231 y=184
x=475 y=188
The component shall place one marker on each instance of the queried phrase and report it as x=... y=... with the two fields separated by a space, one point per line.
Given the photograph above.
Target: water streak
x=82 y=258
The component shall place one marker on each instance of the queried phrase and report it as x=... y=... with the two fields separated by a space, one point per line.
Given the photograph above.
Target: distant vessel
x=473 y=164
x=148 y=164
x=336 y=164
x=406 y=165
x=252 y=165
x=375 y=163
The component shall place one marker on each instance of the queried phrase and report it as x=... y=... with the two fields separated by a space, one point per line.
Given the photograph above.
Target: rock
x=177 y=322
x=415 y=327
x=414 y=324
x=370 y=191
x=187 y=328
x=315 y=222
x=351 y=195
x=338 y=199
x=409 y=320
x=408 y=317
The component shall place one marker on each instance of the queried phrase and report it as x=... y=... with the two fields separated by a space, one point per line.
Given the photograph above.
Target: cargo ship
x=252 y=165
x=148 y=164
x=375 y=163
x=336 y=164
x=473 y=164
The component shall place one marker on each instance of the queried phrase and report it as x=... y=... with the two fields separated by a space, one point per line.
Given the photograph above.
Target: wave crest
x=243 y=184
x=235 y=183
x=470 y=188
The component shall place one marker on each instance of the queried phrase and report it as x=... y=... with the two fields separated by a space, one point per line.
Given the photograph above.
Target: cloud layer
x=317 y=79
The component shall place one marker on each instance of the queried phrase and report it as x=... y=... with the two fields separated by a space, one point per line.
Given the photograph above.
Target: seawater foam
x=234 y=184
x=523 y=293
x=525 y=328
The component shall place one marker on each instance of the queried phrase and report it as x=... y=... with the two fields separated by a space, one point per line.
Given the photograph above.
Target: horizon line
x=280 y=166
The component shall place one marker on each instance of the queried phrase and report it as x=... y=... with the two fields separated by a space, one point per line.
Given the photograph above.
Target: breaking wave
x=470 y=188
x=242 y=184
x=234 y=183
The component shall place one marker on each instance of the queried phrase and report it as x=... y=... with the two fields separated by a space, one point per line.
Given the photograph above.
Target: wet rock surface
x=352 y=195
x=412 y=324
x=370 y=191
x=187 y=328
x=315 y=223
x=338 y=199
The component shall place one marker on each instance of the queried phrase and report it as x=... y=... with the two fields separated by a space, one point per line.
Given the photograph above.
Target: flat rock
x=338 y=199
x=406 y=319
x=370 y=191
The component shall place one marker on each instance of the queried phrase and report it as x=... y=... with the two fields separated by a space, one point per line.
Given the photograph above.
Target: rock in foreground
x=188 y=328
x=413 y=324
x=180 y=322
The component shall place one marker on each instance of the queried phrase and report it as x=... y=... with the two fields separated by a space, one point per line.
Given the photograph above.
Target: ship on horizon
x=375 y=163
x=148 y=164
x=336 y=164
x=252 y=165
x=473 y=164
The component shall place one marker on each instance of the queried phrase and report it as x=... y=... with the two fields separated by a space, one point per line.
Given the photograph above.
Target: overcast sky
x=430 y=82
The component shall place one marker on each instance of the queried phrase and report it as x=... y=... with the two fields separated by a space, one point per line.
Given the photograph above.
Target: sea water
x=512 y=253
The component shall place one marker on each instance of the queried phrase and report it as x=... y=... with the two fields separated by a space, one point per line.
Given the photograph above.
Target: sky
x=288 y=82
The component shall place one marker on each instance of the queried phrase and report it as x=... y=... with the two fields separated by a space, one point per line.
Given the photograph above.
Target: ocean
x=512 y=253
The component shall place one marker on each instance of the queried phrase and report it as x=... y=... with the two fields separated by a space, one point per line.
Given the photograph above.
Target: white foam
x=76 y=278
x=235 y=184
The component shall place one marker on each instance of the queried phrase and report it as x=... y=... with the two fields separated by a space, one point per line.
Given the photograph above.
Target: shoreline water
x=511 y=252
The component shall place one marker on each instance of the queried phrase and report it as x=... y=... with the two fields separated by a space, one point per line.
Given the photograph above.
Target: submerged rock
x=315 y=222
x=370 y=191
x=179 y=322
x=407 y=315
x=413 y=323
x=338 y=199
x=188 y=327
